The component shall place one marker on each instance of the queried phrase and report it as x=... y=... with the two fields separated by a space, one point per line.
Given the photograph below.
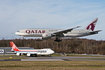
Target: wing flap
x=65 y=31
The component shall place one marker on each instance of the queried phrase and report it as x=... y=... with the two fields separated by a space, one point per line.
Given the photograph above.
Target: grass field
x=52 y=65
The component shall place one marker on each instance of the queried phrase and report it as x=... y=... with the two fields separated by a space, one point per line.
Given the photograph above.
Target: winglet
x=14 y=47
x=91 y=26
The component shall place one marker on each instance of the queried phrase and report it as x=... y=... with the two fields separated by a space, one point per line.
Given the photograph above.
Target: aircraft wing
x=95 y=32
x=65 y=31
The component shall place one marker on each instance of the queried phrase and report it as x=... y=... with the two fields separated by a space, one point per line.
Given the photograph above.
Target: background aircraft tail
x=14 y=47
x=91 y=26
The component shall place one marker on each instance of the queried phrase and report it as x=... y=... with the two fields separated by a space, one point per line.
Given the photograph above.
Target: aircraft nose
x=17 y=33
x=52 y=52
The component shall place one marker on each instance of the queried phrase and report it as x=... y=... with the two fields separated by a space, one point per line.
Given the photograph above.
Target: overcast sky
x=58 y=14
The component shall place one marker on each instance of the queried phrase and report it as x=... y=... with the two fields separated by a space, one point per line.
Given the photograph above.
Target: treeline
x=73 y=45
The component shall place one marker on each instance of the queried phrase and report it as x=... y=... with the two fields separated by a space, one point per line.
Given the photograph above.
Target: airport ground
x=52 y=65
x=55 y=62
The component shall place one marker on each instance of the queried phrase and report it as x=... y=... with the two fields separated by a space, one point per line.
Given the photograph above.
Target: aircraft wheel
x=58 y=40
x=34 y=55
x=31 y=55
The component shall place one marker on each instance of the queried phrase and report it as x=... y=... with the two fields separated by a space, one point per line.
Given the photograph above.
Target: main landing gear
x=33 y=55
x=57 y=39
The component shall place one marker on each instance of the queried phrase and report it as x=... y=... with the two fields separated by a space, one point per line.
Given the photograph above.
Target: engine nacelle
x=18 y=54
x=28 y=54
x=46 y=36
x=32 y=55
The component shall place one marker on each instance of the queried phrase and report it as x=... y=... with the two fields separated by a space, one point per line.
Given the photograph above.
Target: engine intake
x=18 y=54
x=46 y=36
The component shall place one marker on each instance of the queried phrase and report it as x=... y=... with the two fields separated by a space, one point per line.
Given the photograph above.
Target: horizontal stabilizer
x=95 y=32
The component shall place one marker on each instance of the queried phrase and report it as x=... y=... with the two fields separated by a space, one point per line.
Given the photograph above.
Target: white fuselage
x=39 y=32
x=49 y=33
x=35 y=51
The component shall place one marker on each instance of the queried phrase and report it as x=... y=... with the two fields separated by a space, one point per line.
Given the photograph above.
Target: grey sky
x=59 y=14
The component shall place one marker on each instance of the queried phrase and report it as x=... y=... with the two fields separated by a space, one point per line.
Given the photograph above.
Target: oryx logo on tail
x=91 y=26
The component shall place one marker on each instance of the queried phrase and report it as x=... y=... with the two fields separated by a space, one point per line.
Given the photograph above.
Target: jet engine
x=28 y=54
x=18 y=54
x=32 y=55
x=46 y=36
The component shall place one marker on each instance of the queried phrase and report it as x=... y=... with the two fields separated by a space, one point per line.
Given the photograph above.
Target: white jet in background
x=31 y=52
x=58 y=33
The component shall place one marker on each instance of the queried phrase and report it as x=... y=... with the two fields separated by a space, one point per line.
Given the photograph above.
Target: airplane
x=31 y=52
x=59 y=33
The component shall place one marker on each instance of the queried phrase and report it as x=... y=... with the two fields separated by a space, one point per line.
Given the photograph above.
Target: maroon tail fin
x=91 y=26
